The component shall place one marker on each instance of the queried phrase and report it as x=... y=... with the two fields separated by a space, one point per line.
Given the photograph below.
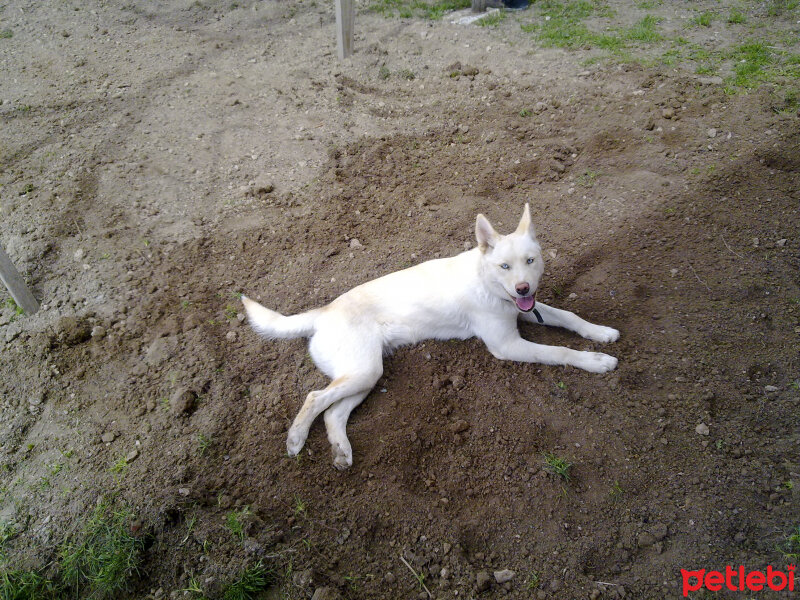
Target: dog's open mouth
x=526 y=303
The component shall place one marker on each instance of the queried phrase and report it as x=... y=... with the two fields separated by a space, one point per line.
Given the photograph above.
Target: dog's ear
x=485 y=234
x=525 y=223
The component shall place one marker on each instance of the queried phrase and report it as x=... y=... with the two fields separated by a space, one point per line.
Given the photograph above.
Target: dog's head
x=512 y=264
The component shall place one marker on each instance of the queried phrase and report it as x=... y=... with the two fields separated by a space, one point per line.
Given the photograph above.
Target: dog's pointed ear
x=485 y=234
x=525 y=223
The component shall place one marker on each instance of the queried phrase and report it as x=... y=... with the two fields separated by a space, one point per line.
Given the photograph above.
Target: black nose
x=523 y=289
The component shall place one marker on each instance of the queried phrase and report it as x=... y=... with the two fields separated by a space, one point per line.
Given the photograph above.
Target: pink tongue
x=526 y=303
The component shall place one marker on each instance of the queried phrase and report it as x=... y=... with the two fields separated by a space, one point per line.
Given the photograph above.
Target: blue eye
x=530 y=261
x=505 y=266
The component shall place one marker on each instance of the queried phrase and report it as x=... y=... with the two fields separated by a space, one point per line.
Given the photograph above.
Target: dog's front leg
x=555 y=317
x=505 y=343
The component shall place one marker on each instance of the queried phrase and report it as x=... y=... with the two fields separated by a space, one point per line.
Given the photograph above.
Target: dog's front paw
x=600 y=333
x=597 y=362
x=294 y=442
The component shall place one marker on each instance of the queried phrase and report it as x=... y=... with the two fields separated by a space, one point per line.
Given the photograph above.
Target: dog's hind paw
x=341 y=458
x=600 y=333
x=294 y=442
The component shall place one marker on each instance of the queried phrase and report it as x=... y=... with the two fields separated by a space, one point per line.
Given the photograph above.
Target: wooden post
x=345 y=18
x=13 y=281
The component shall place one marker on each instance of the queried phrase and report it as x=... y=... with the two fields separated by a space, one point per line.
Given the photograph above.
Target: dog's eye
x=505 y=266
x=530 y=261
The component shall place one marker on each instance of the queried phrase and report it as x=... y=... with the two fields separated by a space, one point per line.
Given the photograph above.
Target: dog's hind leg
x=336 y=423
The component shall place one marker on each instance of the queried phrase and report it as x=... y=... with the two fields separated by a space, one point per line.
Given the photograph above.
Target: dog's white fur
x=476 y=293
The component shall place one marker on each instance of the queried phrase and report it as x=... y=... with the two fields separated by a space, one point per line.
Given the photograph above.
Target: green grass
x=408 y=9
x=750 y=60
x=233 y=521
x=791 y=547
x=588 y=178
x=494 y=19
x=6 y=34
x=532 y=582
x=736 y=17
x=203 y=444
x=779 y=7
x=556 y=465
x=565 y=29
x=252 y=581
x=704 y=19
x=26 y=585
x=104 y=557
x=645 y=30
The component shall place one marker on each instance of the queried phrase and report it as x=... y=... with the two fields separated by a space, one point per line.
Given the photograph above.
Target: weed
x=105 y=556
x=644 y=30
x=6 y=34
x=616 y=491
x=561 y=385
x=778 y=7
x=233 y=521
x=406 y=74
x=118 y=469
x=735 y=17
x=26 y=585
x=299 y=506
x=230 y=312
x=8 y=531
x=791 y=546
x=253 y=580
x=532 y=582
x=27 y=188
x=494 y=19
x=194 y=589
x=203 y=444
x=384 y=72
x=352 y=581
x=407 y=9
x=587 y=178
x=704 y=19
x=751 y=59
x=557 y=466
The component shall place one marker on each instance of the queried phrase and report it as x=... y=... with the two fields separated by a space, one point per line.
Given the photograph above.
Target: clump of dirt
x=180 y=155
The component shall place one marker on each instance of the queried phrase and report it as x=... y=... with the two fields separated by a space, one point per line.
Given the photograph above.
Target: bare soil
x=157 y=158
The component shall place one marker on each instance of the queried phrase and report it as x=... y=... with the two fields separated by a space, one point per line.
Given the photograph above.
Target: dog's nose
x=523 y=289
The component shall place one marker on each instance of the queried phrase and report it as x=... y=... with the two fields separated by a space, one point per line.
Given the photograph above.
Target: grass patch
x=703 y=20
x=26 y=585
x=494 y=19
x=104 y=557
x=252 y=581
x=645 y=30
x=791 y=547
x=557 y=465
x=562 y=27
x=751 y=59
x=736 y=17
x=777 y=8
x=234 y=521
x=6 y=34
x=407 y=9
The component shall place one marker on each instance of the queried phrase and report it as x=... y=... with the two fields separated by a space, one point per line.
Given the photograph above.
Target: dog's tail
x=273 y=325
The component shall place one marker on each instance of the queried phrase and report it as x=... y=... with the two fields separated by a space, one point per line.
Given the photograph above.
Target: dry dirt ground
x=159 y=158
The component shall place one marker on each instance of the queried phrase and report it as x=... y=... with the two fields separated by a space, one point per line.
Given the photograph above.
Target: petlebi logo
x=739 y=580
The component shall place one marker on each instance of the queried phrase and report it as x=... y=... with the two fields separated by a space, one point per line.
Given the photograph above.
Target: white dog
x=480 y=293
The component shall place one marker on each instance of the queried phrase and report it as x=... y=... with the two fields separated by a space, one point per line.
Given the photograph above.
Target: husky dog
x=481 y=292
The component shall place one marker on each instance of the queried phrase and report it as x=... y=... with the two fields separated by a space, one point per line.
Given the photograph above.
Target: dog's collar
x=538 y=316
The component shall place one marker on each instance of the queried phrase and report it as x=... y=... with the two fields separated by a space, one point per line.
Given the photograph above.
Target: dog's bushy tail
x=273 y=325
